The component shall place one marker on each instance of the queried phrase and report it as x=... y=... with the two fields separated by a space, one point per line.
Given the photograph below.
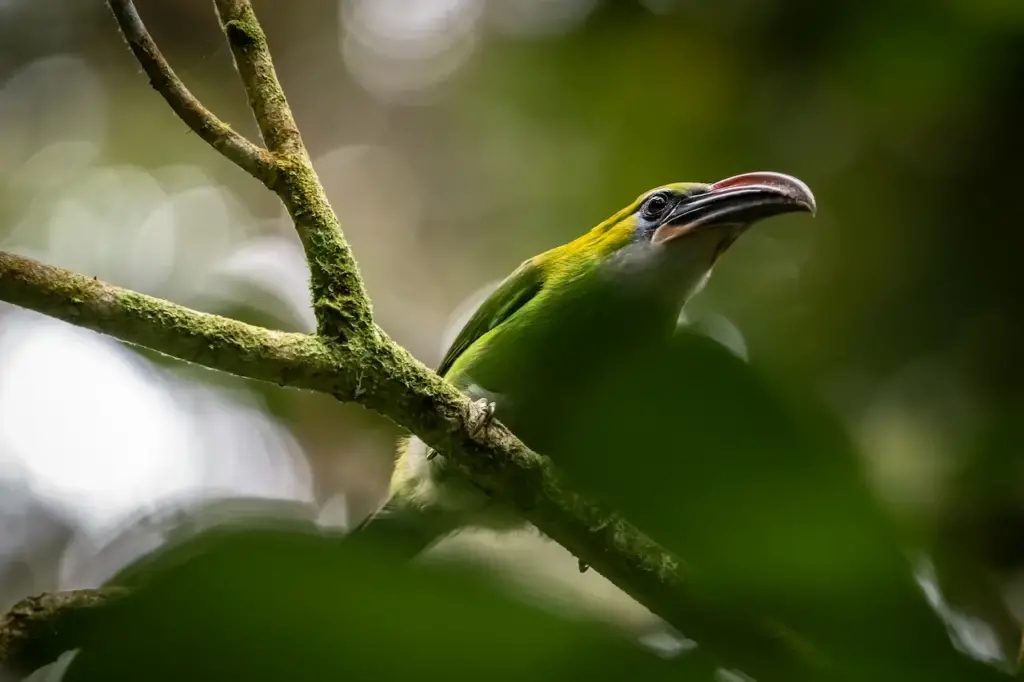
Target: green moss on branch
x=256 y=68
x=209 y=340
x=340 y=301
x=37 y=630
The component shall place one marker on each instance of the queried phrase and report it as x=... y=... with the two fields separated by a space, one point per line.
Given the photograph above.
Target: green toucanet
x=526 y=351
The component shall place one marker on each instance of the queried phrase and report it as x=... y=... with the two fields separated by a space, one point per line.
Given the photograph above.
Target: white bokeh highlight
x=101 y=433
x=400 y=49
x=55 y=98
x=274 y=265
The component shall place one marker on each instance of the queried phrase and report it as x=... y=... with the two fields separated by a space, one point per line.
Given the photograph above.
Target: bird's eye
x=655 y=206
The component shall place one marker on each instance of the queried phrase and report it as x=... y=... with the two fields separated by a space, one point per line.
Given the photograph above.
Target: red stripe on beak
x=787 y=184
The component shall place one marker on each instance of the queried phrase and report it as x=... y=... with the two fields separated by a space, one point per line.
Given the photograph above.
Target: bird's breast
x=536 y=368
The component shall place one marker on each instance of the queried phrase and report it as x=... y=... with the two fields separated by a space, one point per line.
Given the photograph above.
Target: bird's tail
x=401 y=530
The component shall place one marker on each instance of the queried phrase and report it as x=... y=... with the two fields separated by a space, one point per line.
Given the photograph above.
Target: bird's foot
x=480 y=416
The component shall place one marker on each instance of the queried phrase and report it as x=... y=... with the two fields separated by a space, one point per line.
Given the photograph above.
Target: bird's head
x=676 y=233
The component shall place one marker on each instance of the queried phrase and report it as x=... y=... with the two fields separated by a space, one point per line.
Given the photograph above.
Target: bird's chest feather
x=535 y=367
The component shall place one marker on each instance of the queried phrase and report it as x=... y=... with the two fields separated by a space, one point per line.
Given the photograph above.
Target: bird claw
x=481 y=416
x=584 y=566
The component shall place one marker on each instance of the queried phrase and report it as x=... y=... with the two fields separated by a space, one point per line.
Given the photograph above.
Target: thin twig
x=340 y=302
x=252 y=59
x=219 y=135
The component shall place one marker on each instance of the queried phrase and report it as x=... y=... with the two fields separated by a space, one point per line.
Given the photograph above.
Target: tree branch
x=340 y=302
x=210 y=340
x=257 y=162
x=252 y=59
x=36 y=630
x=339 y=299
x=503 y=467
x=384 y=377
x=352 y=359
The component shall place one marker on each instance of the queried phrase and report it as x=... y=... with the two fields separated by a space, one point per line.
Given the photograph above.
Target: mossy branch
x=248 y=156
x=38 y=629
x=380 y=375
x=256 y=69
x=354 y=360
x=209 y=340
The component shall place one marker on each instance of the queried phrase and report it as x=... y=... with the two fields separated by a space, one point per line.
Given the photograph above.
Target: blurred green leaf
x=282 y=601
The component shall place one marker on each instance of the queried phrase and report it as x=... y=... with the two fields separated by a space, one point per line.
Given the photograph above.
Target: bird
x=530 y=349
x=578 y=352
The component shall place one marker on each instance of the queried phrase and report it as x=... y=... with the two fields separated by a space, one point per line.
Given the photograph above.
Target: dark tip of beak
x=786 y=185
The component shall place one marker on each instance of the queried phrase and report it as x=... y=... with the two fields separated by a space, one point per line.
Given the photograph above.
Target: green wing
x=512 y=294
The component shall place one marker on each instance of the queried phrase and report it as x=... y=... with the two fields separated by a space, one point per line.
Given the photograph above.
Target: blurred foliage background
x=455 y=139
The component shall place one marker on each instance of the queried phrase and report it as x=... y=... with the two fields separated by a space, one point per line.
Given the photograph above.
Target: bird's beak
x=740 y=201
